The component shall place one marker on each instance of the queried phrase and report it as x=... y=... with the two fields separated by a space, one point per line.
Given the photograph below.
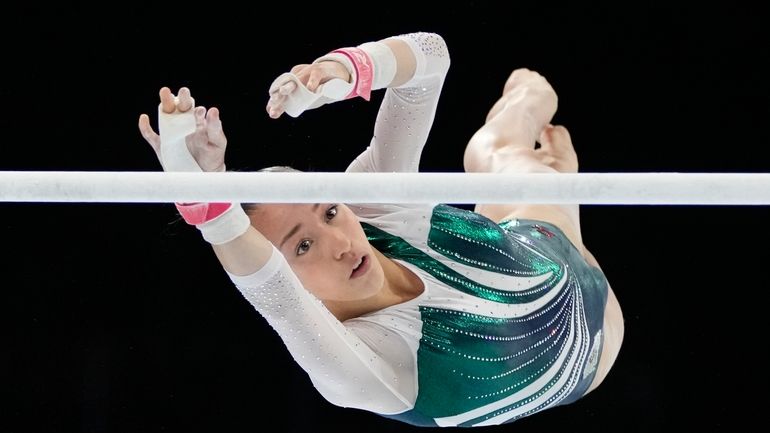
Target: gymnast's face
x=325 y=246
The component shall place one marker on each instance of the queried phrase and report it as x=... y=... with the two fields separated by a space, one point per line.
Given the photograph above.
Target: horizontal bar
x=454 y=188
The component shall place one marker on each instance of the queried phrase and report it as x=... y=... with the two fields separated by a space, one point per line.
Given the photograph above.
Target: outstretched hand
x=311 y=76
x=206 y=144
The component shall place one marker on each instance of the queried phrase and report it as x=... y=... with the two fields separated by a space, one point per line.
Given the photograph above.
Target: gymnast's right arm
x=191 y=139
x=342 y=367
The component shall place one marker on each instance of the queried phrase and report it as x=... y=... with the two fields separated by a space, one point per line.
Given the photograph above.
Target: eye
x=331 y=212
x=303 y=246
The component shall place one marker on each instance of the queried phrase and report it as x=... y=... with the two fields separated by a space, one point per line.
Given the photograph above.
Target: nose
x=339 y=243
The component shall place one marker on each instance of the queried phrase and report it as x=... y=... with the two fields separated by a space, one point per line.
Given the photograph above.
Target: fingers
x=276 y=102
x=213 y=122
x=275 y=106
x=185 y=101
x=287 y=88
x=283 y=90
x=167 y=100
x=313 y=76
x=279 y=90
x=200 y=117
x=213 y=116
x=314 y=80
x=274 y=111
x=214 y=127
x=169 y=103
x=206 y=143
x=323 y=72
x=209 y=125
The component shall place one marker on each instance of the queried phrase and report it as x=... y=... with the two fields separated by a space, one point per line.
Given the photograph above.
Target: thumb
x=149 y=134
x=312 y=83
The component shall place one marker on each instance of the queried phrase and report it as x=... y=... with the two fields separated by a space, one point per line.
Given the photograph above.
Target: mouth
x=361 y=267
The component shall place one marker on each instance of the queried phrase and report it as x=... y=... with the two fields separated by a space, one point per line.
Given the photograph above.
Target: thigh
x=565 y=217
x=613 y=331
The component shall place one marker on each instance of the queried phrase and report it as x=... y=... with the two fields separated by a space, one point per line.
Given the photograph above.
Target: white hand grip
x=174 y=127
x=302 y=98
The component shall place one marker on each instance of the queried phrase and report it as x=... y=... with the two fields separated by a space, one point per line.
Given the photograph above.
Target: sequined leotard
x=509 y=322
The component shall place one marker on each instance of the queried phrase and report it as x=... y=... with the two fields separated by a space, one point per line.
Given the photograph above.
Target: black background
x=118 y=318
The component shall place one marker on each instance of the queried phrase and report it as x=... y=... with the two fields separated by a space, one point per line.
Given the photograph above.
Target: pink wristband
x=199 y=213
x=364 y=72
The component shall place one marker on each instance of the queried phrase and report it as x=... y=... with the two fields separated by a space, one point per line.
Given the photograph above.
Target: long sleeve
x=360 y=363
x=346 y=370
x=407 y=112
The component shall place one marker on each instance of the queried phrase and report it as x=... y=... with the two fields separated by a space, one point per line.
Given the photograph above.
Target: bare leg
x=514 y=123
x=613 y=331
x=507 y=143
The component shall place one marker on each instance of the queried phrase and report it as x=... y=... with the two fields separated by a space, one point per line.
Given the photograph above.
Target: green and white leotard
x=509 y=323
x=510 y=320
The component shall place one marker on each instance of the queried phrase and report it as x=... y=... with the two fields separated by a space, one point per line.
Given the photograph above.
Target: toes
x=560 y=137
x=556 y=145
x=555 y=136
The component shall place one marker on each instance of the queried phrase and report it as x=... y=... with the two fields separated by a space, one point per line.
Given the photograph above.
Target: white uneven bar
x=457 y=188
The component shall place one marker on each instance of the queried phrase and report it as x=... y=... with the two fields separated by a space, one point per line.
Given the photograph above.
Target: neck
x=400 y=285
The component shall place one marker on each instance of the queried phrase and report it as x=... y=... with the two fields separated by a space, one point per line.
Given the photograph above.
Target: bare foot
x=527 y=91
x=556 y=150
x=516 y=123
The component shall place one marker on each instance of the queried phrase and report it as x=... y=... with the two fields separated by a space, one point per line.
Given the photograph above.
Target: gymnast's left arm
x=413 y=67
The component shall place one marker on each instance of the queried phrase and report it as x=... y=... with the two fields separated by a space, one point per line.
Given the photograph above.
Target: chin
x=377 y=279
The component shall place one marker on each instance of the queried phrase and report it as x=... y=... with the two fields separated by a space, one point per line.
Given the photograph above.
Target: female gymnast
x=429 y=314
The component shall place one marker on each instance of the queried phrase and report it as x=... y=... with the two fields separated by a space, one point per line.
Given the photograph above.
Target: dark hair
x=280 y=169
x=273 y=169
